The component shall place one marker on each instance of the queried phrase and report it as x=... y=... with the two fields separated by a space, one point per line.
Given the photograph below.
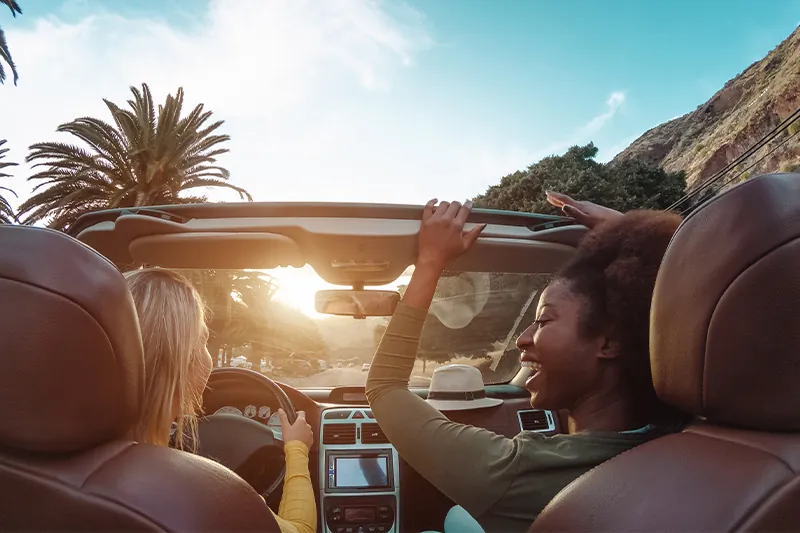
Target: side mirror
x=358 y=304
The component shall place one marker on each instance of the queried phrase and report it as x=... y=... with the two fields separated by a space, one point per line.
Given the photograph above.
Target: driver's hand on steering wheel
x=300 y=430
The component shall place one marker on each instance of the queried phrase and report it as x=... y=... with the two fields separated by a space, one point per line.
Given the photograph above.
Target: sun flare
x=298 y=287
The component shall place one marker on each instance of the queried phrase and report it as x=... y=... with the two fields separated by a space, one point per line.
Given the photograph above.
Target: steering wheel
x=242 y=444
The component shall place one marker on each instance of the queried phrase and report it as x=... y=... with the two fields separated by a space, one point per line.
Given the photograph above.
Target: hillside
x=742 y=112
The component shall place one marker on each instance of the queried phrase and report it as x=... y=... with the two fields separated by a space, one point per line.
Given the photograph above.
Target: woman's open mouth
x=536 y=367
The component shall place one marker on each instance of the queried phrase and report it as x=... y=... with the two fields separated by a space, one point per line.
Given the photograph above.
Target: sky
x=379 y=101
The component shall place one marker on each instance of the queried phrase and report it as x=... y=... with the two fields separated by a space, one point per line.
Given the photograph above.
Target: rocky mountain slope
x=748 y=107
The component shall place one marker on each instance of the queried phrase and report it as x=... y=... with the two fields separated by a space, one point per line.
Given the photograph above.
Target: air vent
x=536 y=420
x=339 y=434
x=372 y=433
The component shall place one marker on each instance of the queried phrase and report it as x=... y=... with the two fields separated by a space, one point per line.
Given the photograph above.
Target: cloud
x=282 y=74
x=319 y=98
x=584 y=133
x=614 y=102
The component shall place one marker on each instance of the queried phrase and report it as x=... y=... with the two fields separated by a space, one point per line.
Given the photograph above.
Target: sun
x=298 y=288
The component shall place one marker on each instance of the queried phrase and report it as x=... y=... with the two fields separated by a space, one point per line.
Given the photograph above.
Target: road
x=343 y=377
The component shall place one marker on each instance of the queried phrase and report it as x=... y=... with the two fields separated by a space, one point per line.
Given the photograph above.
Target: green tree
x=5 y=53
x=626 y=185
x=147 y=159
x=6 y=212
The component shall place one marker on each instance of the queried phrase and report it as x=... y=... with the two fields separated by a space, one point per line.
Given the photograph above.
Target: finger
x=301 y=415
x=429 y=209
x=453 y=210
x=441 y=209
x=464 y=212
x=577 y=214
x=282 y=415
x=472 y=235
x=558 y=199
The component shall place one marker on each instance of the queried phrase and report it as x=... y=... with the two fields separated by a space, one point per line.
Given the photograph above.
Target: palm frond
x=5 y=53
x=13 y=6
x=7 y=215
x=143 y=156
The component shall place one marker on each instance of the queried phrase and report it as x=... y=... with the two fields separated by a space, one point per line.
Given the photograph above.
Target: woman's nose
x=526 y=339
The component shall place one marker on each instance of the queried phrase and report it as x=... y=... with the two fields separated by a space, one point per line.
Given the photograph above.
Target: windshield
x=266 y=321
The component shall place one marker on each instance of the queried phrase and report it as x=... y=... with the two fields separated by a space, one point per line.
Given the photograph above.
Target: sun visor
x=217 y=251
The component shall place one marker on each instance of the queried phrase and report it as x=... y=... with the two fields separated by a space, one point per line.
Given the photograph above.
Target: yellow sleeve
x=298 y=510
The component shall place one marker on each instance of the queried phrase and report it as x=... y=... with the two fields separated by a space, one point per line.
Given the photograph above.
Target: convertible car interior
x=724 y=349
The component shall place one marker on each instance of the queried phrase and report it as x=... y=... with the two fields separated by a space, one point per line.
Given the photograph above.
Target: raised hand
x=442 y=237
x=587 y=213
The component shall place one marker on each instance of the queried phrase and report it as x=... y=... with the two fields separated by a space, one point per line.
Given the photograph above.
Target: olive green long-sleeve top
x=504 y=483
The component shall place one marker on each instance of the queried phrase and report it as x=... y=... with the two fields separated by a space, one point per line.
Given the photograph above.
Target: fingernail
x=468 y=203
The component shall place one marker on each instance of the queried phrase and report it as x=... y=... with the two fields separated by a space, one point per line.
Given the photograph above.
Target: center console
x=359 y=474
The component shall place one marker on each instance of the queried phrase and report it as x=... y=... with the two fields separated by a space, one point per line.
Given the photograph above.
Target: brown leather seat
x=725 y=346
x=71 y=385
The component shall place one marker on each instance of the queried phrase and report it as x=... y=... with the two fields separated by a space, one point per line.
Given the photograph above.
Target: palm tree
x=5 y=54
x=147 y=159
x=6 y=213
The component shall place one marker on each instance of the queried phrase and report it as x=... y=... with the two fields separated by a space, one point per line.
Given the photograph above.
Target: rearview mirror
x=358 y=304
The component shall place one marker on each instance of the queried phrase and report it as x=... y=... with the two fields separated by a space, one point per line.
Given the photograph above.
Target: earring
x=173 y=428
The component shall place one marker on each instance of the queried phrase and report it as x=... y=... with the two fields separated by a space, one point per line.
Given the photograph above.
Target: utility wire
x=717 y=176
x=736 y=162
x=760 y=159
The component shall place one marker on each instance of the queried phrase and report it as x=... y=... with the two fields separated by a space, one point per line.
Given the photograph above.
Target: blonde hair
x=174 y=333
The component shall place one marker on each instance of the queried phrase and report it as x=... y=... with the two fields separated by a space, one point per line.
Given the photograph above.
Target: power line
x=760 y=159
x=737 y=161
x=717 y=176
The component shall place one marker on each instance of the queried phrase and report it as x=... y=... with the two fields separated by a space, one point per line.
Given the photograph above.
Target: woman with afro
x=588 y=354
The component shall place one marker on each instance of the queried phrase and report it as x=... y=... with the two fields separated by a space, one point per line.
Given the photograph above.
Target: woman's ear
x=610 y=349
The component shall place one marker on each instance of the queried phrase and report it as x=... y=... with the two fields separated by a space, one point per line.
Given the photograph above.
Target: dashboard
x=362 y=483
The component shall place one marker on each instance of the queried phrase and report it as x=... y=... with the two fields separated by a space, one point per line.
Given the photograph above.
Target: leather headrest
x=725 y=322
x=72 y=371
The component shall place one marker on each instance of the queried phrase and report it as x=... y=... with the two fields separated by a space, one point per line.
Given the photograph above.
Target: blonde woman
x=177 y=367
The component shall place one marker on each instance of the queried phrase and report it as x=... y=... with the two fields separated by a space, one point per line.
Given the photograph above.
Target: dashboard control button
x=337 y=415
x=358 y=415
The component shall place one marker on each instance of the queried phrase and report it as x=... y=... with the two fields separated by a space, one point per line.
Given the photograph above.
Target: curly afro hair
x=614 y=271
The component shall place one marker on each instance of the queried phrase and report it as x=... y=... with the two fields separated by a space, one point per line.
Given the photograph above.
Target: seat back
x=725 y=347
x=71 y=389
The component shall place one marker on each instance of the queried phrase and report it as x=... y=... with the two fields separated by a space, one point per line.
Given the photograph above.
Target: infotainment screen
x=361 y=472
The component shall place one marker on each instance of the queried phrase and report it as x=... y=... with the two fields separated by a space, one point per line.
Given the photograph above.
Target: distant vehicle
x=365 y=367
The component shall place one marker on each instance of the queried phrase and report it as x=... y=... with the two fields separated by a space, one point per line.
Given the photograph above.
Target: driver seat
x=725 y=347
x=71 y=388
